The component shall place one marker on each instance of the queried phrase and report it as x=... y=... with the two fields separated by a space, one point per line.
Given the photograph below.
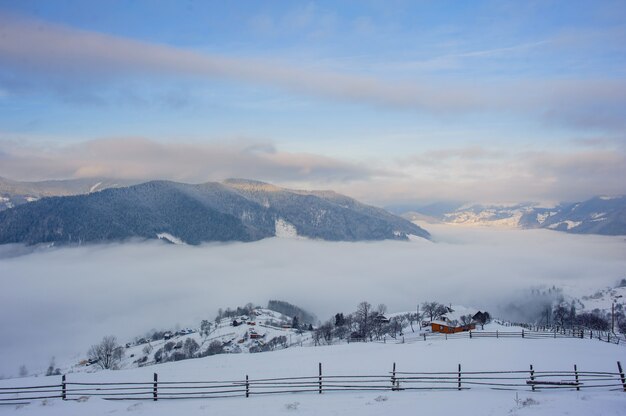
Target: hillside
x=235 y=210
x=14 y=193
x=365 y=359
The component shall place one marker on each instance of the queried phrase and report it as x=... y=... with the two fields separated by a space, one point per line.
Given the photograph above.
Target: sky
x=386 y=101
x=59 y=302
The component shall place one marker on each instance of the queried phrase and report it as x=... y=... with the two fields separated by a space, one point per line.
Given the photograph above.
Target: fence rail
x=528 y=334
x=530 y=379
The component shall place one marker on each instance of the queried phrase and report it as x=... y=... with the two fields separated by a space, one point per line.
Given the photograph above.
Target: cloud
x=140 y=158
x=64 y=59
x=471 y=173
x=496 y=175
x=59 y=302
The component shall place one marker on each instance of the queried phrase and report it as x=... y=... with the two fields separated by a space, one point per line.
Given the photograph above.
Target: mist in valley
x=59 y=301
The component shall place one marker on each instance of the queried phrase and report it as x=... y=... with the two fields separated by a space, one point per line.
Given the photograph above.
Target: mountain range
x=234 y=210
x=599 y=215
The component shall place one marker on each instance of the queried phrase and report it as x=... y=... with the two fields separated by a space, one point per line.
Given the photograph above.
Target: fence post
x=154 y=391
x=621 y=375
x=63 y=388
x=393 y=377
x=459 y=376
x=424 y=336
x=470 y=334
x=576 y=375
x=247 y=387
x=522 y=333
x=532 y=377
x=497 y=334
x=320 y=377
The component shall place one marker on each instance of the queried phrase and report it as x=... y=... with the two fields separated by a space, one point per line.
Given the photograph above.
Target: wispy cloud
x=65 y=58
x=140 y=158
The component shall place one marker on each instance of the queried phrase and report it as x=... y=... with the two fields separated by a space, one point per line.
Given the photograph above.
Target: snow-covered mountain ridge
x=235 y=210
x=599 y=215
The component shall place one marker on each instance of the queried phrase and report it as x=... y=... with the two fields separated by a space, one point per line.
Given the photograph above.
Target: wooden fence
x=155 y=389
x=528 y=334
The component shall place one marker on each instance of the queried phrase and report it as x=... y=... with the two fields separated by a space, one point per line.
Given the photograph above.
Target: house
x=380 y=318
x=255 y=335
x=447 y=327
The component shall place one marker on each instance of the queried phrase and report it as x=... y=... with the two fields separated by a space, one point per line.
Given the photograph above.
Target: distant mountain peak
x=251 y=185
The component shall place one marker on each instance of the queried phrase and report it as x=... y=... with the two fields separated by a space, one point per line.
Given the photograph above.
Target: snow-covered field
x=368 y=358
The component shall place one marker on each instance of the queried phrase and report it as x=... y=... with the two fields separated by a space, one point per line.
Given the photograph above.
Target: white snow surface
x=94 y=187
x=569 y=224
x=484 y=354
x=285 y=229
x=541 y=218
x=172 y=239
x=604 y=299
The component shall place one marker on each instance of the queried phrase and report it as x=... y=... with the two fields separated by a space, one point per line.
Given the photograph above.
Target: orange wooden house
x=448 y=328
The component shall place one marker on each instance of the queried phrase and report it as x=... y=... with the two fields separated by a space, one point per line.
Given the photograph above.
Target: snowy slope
x=368 y=358
x=267 y=324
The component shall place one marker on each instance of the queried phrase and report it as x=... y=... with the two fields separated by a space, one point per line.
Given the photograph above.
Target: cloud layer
x=59 y=302
x=62 y=58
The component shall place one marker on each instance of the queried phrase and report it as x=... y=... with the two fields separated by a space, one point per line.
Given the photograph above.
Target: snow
x=172 y=239
x=485 y=218
x=265 y=322
x=351 y=404
x=569 y=224
x=541 y=218
x=285 y=229
x=478 y=354
x=94 y=187
x=603 y=300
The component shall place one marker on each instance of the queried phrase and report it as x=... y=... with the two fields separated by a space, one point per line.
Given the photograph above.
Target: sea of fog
x=57 y=302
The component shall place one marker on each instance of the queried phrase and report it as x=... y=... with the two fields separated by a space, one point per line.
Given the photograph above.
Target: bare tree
x=466 y=319
x=362 y=317
x=190 y=347
x=381 y=309
x=205 y=327
x=52 y=370
x=434 y=310
x=107 y=354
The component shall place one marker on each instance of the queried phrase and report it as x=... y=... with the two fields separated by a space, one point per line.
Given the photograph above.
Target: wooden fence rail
x=395 y=380
x=526 y=334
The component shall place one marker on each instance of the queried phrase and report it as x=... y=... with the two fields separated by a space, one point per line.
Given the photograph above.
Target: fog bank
x=60 y=301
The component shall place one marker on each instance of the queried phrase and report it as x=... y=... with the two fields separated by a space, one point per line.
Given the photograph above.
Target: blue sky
x=394 y=101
